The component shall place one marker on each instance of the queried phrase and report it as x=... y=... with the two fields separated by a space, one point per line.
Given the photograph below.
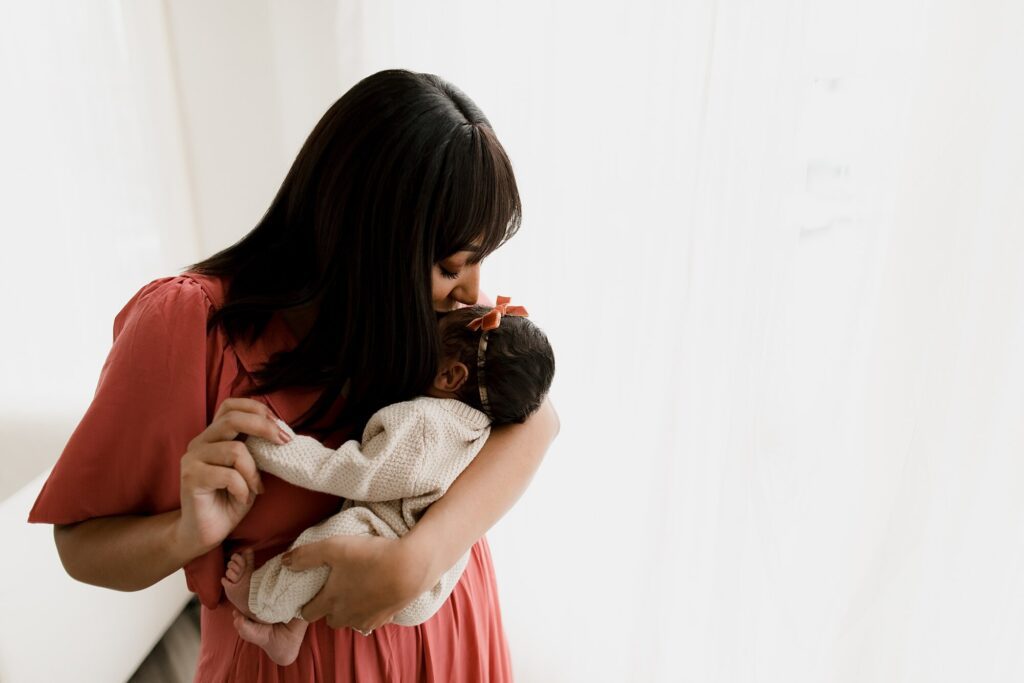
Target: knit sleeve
x=124 y=456
x=387 y=465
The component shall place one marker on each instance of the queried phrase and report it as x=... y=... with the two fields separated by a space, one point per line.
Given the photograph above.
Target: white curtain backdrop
x=93 y=184
x=778 y=247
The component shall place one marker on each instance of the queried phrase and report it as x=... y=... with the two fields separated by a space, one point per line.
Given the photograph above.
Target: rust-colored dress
x=160 y=387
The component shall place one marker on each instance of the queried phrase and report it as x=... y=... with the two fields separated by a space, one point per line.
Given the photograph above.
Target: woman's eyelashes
x=447 y=273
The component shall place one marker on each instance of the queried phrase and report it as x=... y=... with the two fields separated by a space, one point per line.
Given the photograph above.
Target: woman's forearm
x=483 y=493
x=126 y=553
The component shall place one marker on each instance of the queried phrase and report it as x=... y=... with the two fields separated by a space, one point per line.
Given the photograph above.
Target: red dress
x=160 y=387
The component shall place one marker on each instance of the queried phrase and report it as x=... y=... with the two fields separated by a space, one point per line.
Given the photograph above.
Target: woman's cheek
x=441 y=290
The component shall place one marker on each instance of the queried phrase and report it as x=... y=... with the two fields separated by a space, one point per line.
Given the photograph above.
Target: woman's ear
x=452 y=375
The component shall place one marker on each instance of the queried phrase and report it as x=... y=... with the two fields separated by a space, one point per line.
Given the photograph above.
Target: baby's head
x=518 y=365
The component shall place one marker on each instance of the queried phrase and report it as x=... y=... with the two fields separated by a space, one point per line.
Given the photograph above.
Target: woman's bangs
x=485 y=209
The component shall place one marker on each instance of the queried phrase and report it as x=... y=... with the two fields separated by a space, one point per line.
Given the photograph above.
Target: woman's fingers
x=317 y=607
x=235 y=422
x=244 y=464
x=213 y=477
x=216 y=461
x=217 y=444
x=307 y=556
x=330 y=602
x=233 y=455
x=245 y=405
x=321 y=606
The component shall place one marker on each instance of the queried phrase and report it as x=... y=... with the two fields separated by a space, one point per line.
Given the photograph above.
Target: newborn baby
x=496 y=368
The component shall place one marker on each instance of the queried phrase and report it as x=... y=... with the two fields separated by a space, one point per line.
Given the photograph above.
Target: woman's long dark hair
x=401 y=172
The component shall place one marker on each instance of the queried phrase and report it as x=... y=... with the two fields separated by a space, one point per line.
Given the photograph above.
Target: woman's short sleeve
x=151 y=400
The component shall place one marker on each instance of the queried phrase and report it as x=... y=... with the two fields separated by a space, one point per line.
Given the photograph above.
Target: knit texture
x=410 y=454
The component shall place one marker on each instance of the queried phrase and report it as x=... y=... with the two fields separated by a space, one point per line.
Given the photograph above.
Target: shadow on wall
x=174 y=658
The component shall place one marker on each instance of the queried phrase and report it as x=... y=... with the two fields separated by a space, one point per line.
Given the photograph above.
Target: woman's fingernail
x=286 y=559
x=284 y=435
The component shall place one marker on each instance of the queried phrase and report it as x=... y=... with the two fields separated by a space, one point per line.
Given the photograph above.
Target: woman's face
x=455 y=282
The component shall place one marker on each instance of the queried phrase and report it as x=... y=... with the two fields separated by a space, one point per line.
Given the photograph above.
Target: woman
x=323 y=313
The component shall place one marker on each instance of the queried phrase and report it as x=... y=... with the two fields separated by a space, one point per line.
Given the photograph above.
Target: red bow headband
x=492 y=318
x=486 y=323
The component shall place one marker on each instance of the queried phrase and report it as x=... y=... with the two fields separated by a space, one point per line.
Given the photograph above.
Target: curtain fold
x=96 y=191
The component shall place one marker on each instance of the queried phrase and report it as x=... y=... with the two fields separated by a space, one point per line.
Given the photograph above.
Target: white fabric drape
x=778 y=248
x=94 y=187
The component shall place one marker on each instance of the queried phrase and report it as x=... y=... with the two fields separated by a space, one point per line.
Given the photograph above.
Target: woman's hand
x=219 y=478
x=372 y=578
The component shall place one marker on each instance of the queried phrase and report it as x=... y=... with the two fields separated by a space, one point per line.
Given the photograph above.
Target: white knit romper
x=410 y=454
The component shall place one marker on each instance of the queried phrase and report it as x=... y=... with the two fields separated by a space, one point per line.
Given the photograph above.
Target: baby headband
x=486 y=323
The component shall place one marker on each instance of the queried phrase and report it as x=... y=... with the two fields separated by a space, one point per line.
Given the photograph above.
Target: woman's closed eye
x=447 y=273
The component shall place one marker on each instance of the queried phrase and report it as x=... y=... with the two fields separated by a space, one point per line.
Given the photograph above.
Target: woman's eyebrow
x=472 y=249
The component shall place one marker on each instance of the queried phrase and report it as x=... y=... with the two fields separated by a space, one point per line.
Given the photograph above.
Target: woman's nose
x=468 y=290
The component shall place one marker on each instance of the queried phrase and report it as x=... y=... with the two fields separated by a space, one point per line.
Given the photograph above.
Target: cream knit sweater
x=410 y=454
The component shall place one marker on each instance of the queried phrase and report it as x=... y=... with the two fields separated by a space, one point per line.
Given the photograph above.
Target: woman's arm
x=219 y=484
x=482 y=494
x=378 y=577
x=126 y=553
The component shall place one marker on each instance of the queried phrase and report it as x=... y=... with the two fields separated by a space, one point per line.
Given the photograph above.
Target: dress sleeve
x=124 y=456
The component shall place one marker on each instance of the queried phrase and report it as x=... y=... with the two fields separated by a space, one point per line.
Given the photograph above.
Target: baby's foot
x=237 y=578
x=280 y=641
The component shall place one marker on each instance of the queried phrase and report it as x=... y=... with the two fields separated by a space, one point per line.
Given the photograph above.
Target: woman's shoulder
x=213 y=286
x=186 y=286
x=167 y=313
x=172 y=298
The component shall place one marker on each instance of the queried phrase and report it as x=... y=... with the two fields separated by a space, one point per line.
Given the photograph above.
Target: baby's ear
x=452 y=376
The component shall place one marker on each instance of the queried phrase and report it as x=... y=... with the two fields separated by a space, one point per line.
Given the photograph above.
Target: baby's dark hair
x=518 y=366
